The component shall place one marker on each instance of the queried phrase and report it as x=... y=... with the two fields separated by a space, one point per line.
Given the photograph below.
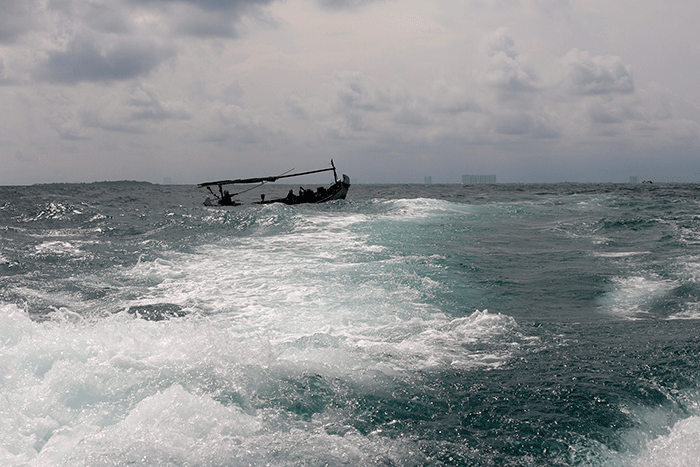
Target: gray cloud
x=426 y=78
x=107 y=18
x=15 y=19
x=137 y=114
x=413 y=115
x=84 y=61
x=232 y=94
x=355 y=93
x=452 y=101
x=203 y=18
x=213 y=5
x=525 y=124
x=602 y=74
x=205 y=24
x=507 y=69
x=345 y=4
x=242 y=133
x=146 y=105
x=93 y=119
x=296 y=107
x=67 y=135
x=607 y=114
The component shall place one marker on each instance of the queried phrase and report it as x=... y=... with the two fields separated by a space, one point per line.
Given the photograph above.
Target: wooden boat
x=337 y=190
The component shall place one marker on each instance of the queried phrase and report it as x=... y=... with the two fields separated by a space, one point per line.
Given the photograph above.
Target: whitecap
x=634 y=296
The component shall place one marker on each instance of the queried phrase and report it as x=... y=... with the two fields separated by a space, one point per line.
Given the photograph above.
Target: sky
x=392 y=90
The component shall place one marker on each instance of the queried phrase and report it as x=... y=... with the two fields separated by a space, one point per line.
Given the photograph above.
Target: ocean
x=408 y=325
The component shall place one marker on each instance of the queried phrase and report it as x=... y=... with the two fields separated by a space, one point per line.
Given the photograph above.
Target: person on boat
x=290 y=195
x=305 y=195
x=226 y=199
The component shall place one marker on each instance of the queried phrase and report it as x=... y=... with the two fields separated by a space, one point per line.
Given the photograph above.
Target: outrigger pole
x=272 y=178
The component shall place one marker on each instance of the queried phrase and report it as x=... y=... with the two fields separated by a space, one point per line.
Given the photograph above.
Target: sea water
x=521 y=325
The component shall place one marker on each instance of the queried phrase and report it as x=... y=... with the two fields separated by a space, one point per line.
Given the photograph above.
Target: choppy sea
x=408 y=325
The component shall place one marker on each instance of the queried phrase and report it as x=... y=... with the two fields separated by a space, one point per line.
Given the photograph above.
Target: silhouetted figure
x=226 y=199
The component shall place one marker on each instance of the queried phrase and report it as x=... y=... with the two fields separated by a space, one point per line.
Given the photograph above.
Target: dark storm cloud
x=597 y=75
x=83 y=61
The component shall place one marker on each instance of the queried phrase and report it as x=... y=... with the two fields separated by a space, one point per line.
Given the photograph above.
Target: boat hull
x=336 y=191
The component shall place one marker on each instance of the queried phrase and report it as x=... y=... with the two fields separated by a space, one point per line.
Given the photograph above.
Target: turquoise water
x=521 y=325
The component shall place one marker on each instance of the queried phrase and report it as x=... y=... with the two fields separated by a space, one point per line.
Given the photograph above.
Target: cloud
x=549 y=6
x=107 y=18
x=94 y=119
x=134 y=114
x=345 y=4
x=84 y=61
x=601 y=74
x=507 y=70
x=212 y=5
x=203 y=18
x=146 y=105
x=15 y=19
x=296 y=106
x=452 y=101
x=526 y=124
x=355 y=93
x=435 y=78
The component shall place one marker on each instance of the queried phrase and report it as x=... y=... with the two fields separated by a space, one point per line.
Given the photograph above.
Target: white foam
x=416 y=208
x=689 y=273
x=59 y=248
x=81 y=391
x=125 y=390
x=93 y=384
x=679 y=446
x=620 y=254
x=632 y=296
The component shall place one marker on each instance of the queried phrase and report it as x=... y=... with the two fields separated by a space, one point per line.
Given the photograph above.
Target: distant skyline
x=393 y=91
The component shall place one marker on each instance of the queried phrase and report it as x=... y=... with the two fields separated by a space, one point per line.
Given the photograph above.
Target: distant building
x=478 y=179
x=428 y=180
